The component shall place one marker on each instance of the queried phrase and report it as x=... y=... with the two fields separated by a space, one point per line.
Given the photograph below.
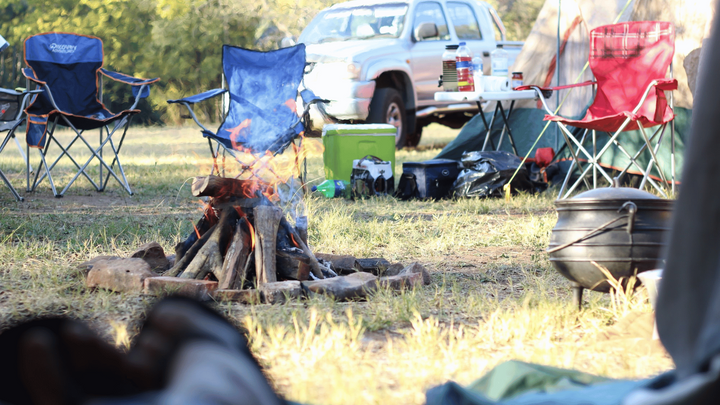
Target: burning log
x=202 y=226
x=188 y=257
x=222 y=187
x=267 y=222
x=236 y=257
x=209 y=258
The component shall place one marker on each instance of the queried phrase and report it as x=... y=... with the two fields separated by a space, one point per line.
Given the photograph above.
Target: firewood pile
x=243 y=237
x=243 y=248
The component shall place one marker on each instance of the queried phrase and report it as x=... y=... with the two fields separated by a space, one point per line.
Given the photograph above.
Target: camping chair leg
x=577 y=183
x=650 y=164
x=96 y=156
x=672 y=155
x=652 y=152
x=100 y=152
x=117 y=154
x=24 y=156
x=574 y=155
x=594 y=142
x=214 y=157
x=2 y=175
x=634 y=162
x=574 y=162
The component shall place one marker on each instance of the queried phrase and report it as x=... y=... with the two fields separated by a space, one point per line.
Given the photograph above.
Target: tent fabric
x=263 y=88
x=519 y=383
x=625 y=59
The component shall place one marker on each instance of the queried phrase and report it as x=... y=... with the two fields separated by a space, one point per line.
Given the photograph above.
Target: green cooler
x=347 y=142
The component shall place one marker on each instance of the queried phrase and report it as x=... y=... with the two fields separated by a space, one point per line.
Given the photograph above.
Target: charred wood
x=209 y=258
x=236 y=256
x=267 y=221
x=188 y=257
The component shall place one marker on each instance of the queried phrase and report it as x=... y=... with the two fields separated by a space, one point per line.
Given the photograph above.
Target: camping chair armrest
x=127 y=79
x=199 y=97
x=188 y=104
x=140 y=87
x=309 y=98
x=667 y=84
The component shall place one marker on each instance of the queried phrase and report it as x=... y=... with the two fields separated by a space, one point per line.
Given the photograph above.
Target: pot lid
x=615 y=193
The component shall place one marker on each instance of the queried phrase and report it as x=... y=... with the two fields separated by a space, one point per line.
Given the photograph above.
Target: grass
x=494 y=295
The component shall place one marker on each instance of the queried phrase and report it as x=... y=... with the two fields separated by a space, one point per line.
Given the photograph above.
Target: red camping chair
x=630 y=62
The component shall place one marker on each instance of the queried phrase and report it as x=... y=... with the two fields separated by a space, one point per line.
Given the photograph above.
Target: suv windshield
x=372 y=21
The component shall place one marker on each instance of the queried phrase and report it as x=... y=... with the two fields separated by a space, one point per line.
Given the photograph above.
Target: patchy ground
x=494 y=295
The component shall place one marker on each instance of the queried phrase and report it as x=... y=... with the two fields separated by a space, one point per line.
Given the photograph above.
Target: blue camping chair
x=68 y=67
x=263 y=87
x=12 y=103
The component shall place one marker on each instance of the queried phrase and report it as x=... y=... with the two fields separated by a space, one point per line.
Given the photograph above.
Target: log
x=181 y=264
x=267 y=221
x=303 y=271
x=202 y=226
x=235 y=257
x=222 y=187
x=209 y=258
x=315 y=266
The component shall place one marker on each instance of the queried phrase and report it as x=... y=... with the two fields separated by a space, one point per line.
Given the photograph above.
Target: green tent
x=527 y=124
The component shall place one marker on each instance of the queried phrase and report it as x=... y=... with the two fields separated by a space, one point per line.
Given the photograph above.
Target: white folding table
x=498 y=97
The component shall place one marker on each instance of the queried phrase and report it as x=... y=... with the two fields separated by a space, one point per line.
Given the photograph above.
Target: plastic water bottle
x=499 y=62
x=463 y=63
x=333 y=188
x=477 y=64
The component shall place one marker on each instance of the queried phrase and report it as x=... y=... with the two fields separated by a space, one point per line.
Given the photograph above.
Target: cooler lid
x=432 y=163
x=359 y=129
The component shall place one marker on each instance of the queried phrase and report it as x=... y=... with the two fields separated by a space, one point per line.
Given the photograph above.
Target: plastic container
x=434 y=178
x=333 y=188
x=477 y=64
x=499 y=62
x=347 y=142
x=449 y=75
x=517 y=79
x=463 y=64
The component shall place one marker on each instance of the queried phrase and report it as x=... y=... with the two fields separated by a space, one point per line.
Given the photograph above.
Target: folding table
x=498 y=97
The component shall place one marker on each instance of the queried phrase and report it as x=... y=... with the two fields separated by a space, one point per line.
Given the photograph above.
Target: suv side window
x=464 y=20
x=432 y=12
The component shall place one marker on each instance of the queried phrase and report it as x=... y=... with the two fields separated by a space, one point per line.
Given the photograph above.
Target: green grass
x=494 y=295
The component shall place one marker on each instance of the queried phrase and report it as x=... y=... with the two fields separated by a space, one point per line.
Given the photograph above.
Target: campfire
x=250 y=245
x=243 y=236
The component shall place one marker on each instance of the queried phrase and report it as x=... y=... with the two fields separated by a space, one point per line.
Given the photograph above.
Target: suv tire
x=387 y=107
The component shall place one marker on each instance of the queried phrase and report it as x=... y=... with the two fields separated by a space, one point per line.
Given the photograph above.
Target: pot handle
x=632 y=210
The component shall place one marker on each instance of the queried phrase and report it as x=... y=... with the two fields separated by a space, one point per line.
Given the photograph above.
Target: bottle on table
x=449 y=76
x=499 y=62
x=463 y=63
x=477 y=65
x=517 y=80
x=333 y=188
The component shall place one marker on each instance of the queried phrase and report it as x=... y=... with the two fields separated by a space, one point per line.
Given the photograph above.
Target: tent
x=565 y=24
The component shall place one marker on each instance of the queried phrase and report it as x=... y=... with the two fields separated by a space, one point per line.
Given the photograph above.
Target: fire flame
x=252 y=236
x=196 y=231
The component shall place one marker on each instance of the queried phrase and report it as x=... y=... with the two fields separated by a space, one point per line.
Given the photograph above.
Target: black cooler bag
x=433 y=178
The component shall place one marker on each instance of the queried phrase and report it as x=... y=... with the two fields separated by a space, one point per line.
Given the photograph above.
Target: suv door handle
x=486 y=53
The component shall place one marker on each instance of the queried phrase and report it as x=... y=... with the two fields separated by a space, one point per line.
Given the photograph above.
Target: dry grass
x=494 y=295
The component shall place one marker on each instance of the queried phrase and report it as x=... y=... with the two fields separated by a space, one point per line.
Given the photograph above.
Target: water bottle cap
x=462 y=43
x=313 y=188
x=499 y=45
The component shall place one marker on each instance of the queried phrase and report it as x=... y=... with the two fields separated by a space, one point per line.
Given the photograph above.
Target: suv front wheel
x=387 y=107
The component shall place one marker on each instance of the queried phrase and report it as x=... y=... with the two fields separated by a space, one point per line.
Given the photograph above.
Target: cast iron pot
x=622 y=229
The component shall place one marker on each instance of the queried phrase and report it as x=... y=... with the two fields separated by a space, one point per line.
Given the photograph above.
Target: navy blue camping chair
x=263 y=88
x=68 y=67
